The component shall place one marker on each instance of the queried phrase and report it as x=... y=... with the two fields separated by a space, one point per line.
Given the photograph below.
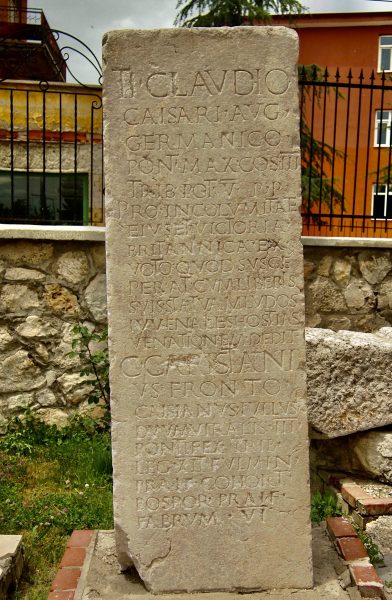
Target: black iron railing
x=50 y=154
x=346 y=145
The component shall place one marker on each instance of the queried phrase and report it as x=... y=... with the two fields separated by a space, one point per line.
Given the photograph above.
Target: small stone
x=51 y=377
x=18 y=298
x=73 y=267
x=341 y=271
x=18 y=402
x=312 y=320
x=356 y=294
x=61 y=300
x=325 y=295
x=6 y=338
x=380 y=531
x=373 y=451
x=95 y=298
x=74 y=387
x=20 y=274
x=325 y=266
x=385 y=295
x=46 y=397
x=19 y=373
x=53 y=416
x=374 y=267
x=337 y=322
x=34 y=327
x=99 y=256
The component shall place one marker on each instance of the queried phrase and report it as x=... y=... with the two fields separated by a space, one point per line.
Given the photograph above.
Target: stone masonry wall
x=348 y=288
x=48 y=286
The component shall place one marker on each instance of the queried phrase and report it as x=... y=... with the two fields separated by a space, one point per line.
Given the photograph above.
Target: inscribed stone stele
x=206 y=309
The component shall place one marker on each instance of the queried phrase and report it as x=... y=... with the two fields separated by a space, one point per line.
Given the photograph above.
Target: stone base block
x=11 y=563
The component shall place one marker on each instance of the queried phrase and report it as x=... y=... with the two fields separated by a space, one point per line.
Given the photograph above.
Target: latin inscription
x=214 y=311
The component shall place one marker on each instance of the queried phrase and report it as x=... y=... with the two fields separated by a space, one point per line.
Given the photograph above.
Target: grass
x=52 y=482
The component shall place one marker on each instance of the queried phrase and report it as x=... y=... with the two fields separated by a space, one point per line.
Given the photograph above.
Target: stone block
x=206 y=309
x=380 y=530
x=348 y=381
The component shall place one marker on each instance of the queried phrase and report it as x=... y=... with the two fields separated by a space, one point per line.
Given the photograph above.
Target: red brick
x=351 y=548
x=66 y=579
x=351 y=493
x=375 y=506
x=339 y=527
x=61 y=595
x=80 y=538
x=73 y=557
x=367 y=580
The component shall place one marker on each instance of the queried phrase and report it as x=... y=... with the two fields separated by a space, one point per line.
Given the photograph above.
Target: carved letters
x=209 y=366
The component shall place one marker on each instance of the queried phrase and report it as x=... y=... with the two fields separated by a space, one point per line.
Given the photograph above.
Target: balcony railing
x=29 y=28
x=50 y=154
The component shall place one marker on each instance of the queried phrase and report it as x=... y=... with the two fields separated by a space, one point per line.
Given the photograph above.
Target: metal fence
x=50 y=154
x=346 y=147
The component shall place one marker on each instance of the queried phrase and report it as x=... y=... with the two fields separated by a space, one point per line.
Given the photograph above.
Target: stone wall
x=46 y=287
x=348 y=288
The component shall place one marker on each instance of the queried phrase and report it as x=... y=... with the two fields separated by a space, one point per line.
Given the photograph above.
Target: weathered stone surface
x=324 y=266
x=53 y=416
x=18 y=298
x=35 y=327
x=74 y=387
x=19 y=401
x=95 y=297
x=24 y=252
x=6 y=339
x=61 y=300
x=73 y=267
x=206 y=308
x=99 y=256
x=45 y=397
x=18 y=372
x=380 y=531
x=374 y=267
x=373 y=453
x=349 y=385
x=326 y=295
x=20 y=274
x=11 y=563
x=341 y=271
x=357 y=293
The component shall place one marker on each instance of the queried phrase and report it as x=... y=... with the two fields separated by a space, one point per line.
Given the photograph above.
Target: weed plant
x=52 y=481
x=324 y=506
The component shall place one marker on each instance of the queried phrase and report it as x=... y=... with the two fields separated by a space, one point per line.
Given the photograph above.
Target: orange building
x=347 y=116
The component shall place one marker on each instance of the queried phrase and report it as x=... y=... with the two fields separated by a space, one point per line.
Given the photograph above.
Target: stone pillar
x=206 y=309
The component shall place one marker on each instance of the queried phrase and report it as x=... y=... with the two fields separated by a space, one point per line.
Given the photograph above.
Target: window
x=382 y=129
x=39 y=198
x=382 y=201
x=385 y=53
